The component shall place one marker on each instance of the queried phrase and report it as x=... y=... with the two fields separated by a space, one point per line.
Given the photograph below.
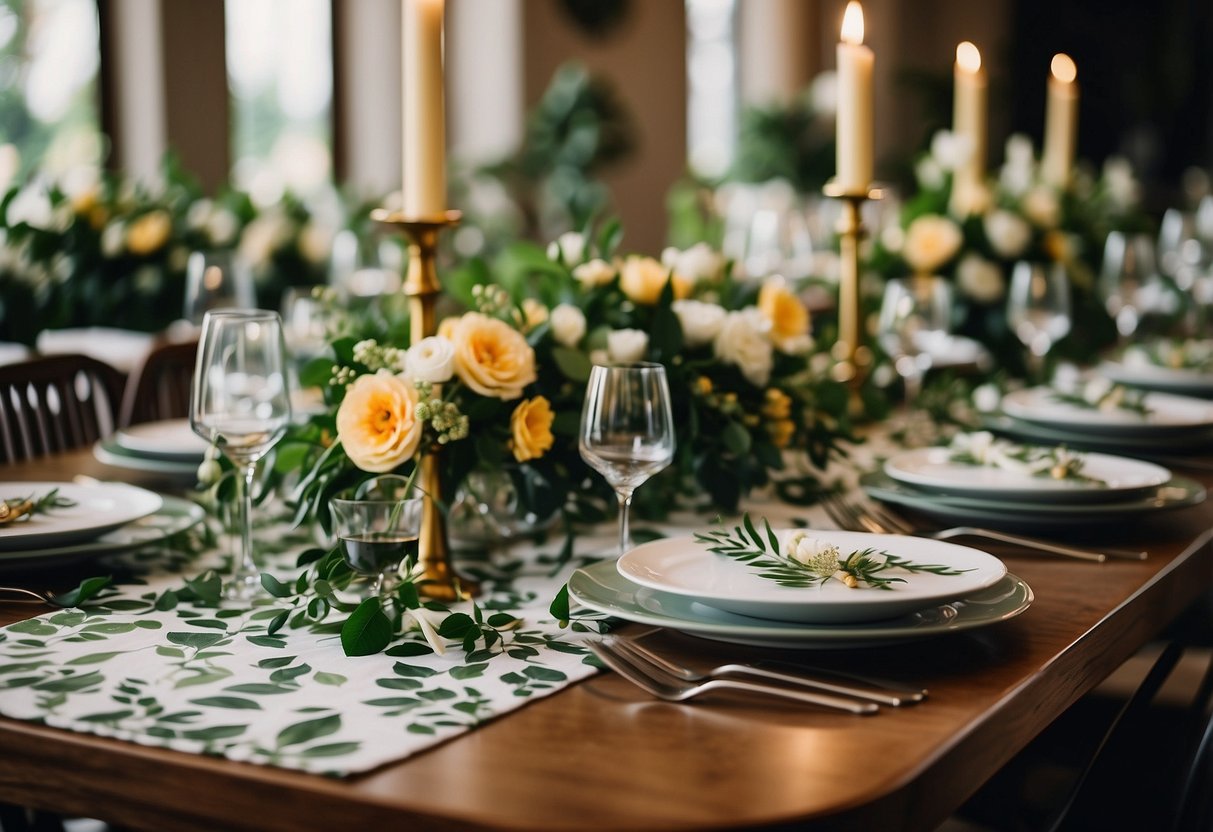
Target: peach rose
x=531 y=427
x=377 y=421
x=788 y=316
x=491 y=357
x=643 y=278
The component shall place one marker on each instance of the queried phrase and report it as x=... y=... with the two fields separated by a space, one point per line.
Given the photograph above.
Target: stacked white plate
x=679 y=584
x=1137 y=369
x=167 y=447
x=1114 y=488
x=102 y=518
x=1170 y=423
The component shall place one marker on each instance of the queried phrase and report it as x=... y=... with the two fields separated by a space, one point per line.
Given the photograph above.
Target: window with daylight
x=280 y=71
x=49 y=58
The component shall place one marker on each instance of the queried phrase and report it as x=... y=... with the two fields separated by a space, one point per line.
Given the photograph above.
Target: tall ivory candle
x=854 y=128
x=1061 y=121
x=424 y=125
x=969 y=122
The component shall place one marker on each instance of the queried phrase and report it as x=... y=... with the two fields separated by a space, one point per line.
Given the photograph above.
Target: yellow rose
x=149 y=232
x=931 y=241
x=446 y=329
x=377 y=422
x=788 y=316
x=781 y=432
x=777 y=405
x=534 y=313
x=491 y=357
x=531 y=427
x=643 y=278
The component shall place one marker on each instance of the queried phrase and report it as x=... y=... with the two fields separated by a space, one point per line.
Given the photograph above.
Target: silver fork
x=872 y=518
x=887 y=696
x=657 y=682
x=44 y=597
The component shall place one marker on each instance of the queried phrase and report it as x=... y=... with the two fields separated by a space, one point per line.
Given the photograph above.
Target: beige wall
x=645 y=59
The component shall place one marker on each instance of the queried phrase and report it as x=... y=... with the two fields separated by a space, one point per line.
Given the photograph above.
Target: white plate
x=949 y=351
x=111 y=453
x=173 y=517
x=169 y=439
x=684 y=566
x=1170 y=379
x=98 y=509
x=600 y=587
x=1179 y=492
x=1167 y=413
x=1119 y=477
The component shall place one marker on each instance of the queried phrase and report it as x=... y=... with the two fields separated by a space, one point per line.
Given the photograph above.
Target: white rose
x=568 y=248
x=950 y=150
x=823 y=93
x=626 y=345
x=1008 y=233
x=594 y=273
x=743 y=341
x=931 y=241
x=32 y=206
x=431 y=359
x=1019 y=169
x=222 y=226
x=979 y=279
x=821 y=557
x=700 y=321
x=929 y=173
x=1123 y=188
x=568 y=324
x=315 y=242
x=1041 y=206
x=262 y=237
x=697 y=263
x=113 y=239
x=198 y=215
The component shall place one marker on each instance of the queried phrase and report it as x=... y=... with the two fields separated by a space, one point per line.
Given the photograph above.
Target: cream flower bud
x=700 y=321
x=568 y=324
x=431 y=359
x=626 y=345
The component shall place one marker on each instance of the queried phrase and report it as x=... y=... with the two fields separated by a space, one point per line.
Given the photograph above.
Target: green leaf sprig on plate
x=804 y=561
x=16 y=508
x=1101 y=394
x=981 y=448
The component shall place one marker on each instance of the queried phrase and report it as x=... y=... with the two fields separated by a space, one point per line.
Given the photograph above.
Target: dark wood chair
x=159 y=388
x=56 y=403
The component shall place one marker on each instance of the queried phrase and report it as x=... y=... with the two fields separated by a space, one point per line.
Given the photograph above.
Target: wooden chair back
x=159 y=388
x=56 y=403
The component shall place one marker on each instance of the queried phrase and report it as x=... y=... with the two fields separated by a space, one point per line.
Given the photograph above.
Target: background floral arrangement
x=749 y=385
x=95 y=250
x=1015 y=216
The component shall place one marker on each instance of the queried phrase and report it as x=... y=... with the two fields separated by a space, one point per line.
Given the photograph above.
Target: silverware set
x=667 y=680
x=862 y=516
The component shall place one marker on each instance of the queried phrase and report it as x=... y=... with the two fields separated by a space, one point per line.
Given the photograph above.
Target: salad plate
x=174 y=516
x=111 y=453
x=684 y=566
x=601 y=588
x=167 y=439
x=1103 y=477
x=1178 y=492
x=1165 y=413
x=94 y=510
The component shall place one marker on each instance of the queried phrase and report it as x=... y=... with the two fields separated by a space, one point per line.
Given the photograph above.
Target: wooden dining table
x=602 y=754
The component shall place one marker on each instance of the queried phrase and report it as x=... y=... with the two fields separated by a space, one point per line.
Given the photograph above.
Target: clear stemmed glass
x=915 y=314
x=1038 y=309
x=627 y=429
x=378 y=528
x=216 y=280
x=1129 y=281
x=240 y=402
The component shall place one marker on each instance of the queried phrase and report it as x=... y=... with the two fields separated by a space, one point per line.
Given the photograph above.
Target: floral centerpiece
x=500 y=387
x=975 y=241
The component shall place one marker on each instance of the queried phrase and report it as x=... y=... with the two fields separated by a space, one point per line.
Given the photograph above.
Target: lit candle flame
x=852 y=23
x=968 y=58
x=1063 y=68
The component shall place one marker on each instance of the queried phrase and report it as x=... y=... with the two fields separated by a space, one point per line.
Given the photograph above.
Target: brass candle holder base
x=853 y=357
x=438 y=578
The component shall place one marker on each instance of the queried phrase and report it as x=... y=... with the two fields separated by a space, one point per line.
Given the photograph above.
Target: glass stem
x=625 y=503
x=246 y=568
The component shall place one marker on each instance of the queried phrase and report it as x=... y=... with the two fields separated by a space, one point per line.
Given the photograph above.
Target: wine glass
x=627 y=429
x=378 y=528
x=1038 y=309
x=1129 y=281
x=240 y=403
x=216 y=280
x=915 y=315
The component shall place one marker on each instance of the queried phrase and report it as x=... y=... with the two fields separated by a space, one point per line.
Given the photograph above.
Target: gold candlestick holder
x=853 y=358
x=438 y=578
